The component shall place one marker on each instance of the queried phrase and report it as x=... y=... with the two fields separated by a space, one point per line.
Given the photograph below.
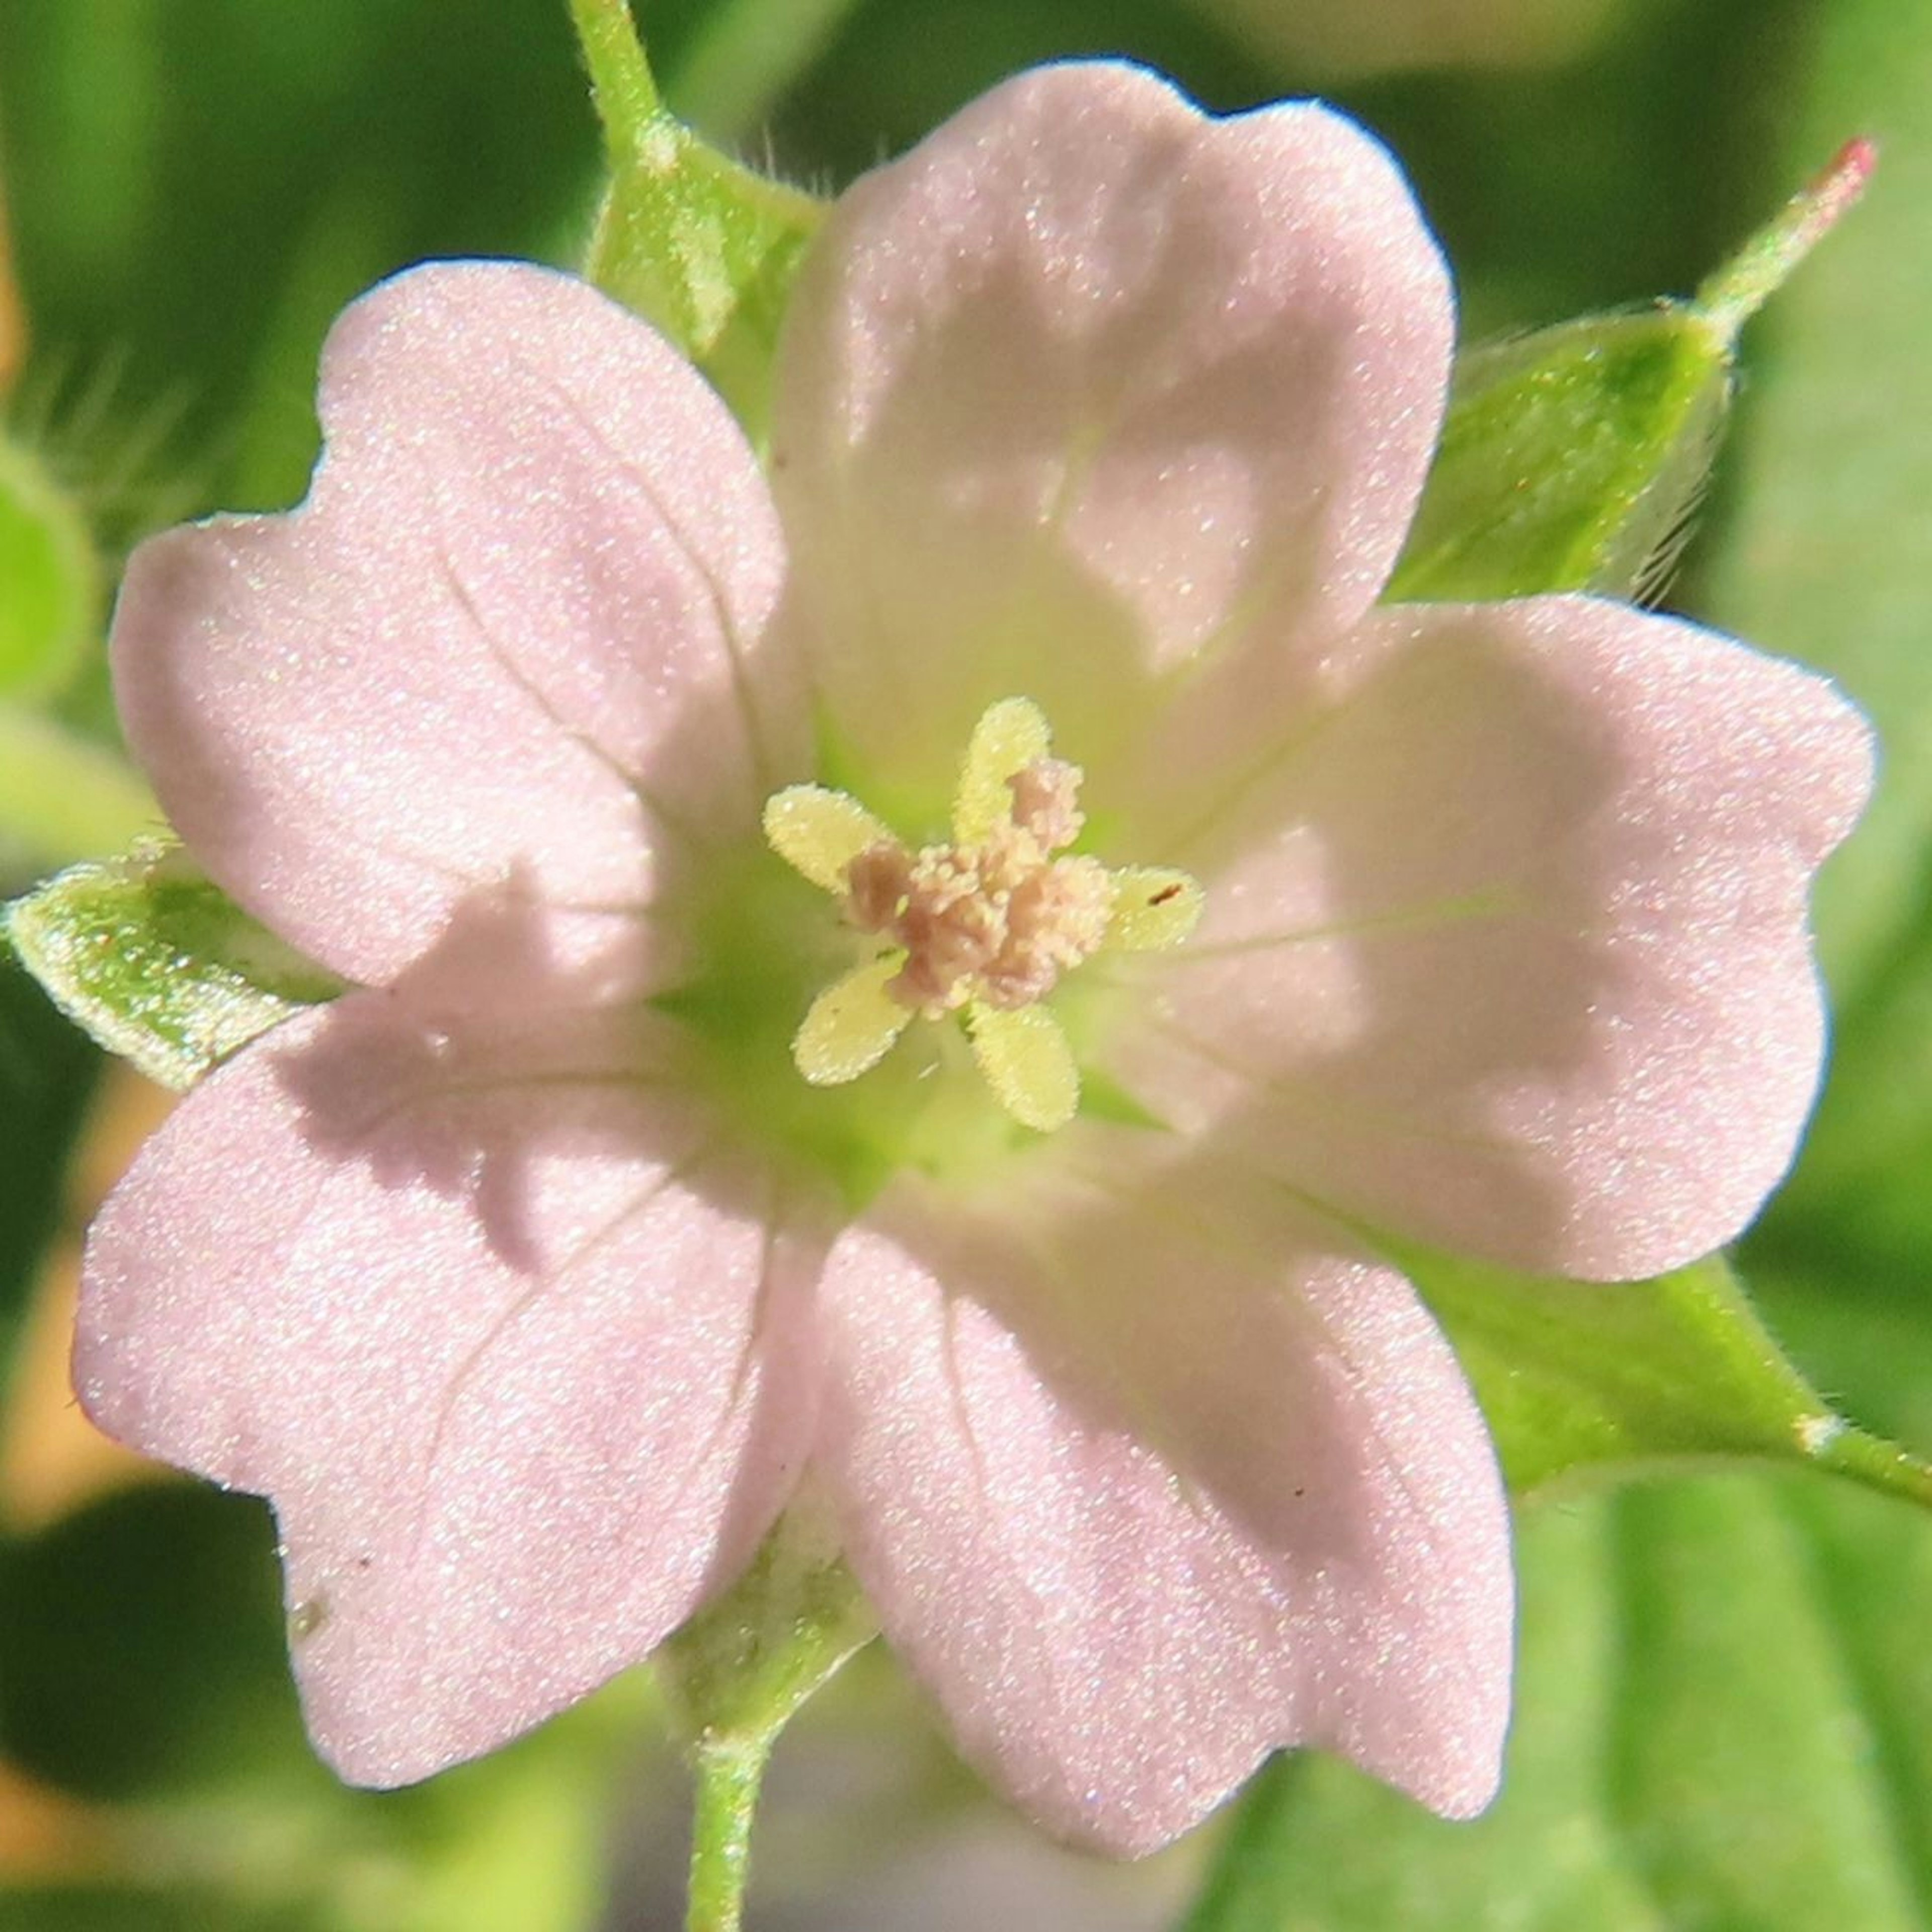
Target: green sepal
x=700 y=246
x=158 y=964
x=51 y=591
x=1583 y=1383
x=1571 y=458
x=740 y=1668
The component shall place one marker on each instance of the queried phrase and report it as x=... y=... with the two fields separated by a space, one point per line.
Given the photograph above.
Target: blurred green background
x=1727 y=1714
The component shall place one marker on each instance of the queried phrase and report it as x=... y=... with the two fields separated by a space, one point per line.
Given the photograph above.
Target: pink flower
x=529 y=1278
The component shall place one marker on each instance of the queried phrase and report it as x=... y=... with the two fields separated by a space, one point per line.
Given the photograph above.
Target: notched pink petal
x=1154 y=1483
x=513 y=630
x=516 y=1349
x=1511 y=952
x=1090 y=382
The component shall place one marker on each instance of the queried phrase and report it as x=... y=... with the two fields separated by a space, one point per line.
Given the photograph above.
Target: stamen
x=851 y=1025
x=818 y=831
x=999 y=921
x=984 y=927
x=1027 y=1062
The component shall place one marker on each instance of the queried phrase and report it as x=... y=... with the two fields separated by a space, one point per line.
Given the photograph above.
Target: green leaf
x=142 y=1907
x=697 y=244
x=1569 y=458
x=63 y=797
x=50 y=610
x=1725 y=1722
x=158 y=964
x=145 y=1670
x=197 y=186
x=46 y=1074
x=742 y=55
x=142 y=1646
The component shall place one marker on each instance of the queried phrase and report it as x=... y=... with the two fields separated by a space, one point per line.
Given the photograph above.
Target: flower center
x=983 y=927
x=998 y=921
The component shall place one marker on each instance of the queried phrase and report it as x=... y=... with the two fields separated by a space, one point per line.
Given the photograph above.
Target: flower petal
x=1143 y=1491
x=1090 y=382
x=515 y=1352
x=1520 y=963
x=528 y=582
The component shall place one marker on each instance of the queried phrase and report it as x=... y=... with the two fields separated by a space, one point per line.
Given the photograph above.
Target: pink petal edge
x=1138 y=1507
x=1088 y=383
x=1512 y=952
x=535 y=552
x=524 y=1368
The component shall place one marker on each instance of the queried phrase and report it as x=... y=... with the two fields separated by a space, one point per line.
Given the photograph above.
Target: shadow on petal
x=485 y=1060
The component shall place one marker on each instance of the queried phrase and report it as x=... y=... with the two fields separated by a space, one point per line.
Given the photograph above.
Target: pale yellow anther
x=1026 y=1060
x=986 y=927
x=819 y=832
x=850 y=1025
x=1009 y=736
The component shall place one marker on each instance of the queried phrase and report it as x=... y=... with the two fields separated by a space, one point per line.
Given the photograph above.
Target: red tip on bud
x=1741 y=286
x=1840 y=185
x=13 y=313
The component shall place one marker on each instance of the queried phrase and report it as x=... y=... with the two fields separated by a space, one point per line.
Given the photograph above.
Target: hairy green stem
x=1875 y=1464
x=620 y=75
x=727 y=1772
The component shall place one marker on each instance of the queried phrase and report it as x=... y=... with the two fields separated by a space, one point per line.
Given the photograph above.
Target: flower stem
x=620 y=75
x=734 y=1675
x=1730 y=297
x=727 y=1773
